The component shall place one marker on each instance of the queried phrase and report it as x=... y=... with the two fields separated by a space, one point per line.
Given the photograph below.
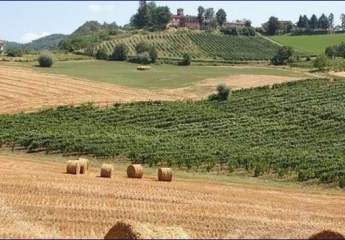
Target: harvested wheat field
x=26 y=90
x=23 y=89
x=38 y=199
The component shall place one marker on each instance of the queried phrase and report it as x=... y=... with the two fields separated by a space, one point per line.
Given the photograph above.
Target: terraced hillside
x=200 y=45
x=297 y=127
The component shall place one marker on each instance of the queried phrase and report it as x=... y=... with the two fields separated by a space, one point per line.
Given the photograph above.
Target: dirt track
x=27 y=90
x=38 y=199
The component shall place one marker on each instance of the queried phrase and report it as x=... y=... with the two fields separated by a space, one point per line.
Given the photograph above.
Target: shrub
x=144 y=58
x=321 y=62
x=14 y=52
x=331 y=51
x=143 y=47
x=222 y=94
x=282 y=56
x=186 y=60
x=153 y=54
x=102 y=54
x=120 y=52
x=45 y=59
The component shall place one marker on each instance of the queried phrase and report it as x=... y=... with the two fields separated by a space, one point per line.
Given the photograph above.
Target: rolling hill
x=200 y=45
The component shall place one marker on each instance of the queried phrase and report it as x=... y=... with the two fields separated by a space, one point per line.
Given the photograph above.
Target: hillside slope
x=200 y=45
x=293 y=127
x=310 y=44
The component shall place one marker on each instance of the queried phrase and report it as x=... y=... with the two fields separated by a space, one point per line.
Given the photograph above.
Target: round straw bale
x=134 y=230
x=84 y=165
x=106 y=170
x=135 y=171
x=327 y=234
x=165 y=174
x=73 y=167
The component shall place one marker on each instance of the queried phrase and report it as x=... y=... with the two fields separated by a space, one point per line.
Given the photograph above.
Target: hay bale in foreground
x=84 y=165
x=106 y=170
x=326 y=234
x=73 y=167
x=135 y=171
x=165 y=174
x=135 y=230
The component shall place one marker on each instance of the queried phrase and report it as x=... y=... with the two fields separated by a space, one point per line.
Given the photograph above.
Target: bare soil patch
x=40 y=195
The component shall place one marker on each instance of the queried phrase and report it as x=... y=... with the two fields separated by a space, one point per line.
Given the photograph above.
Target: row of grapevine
x=200 y=45
x=296 y=127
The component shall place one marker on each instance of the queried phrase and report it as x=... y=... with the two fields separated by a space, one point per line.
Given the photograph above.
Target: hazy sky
x=25 y=21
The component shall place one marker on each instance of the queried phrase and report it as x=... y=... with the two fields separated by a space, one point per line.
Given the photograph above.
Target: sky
x=26 y=21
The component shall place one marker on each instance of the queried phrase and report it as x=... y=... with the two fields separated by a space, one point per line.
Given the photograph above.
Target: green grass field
x=160 y=76
x=310 y=44
x=297 y=127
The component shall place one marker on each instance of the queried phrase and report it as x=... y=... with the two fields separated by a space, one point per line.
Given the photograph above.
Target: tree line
x=314 y=24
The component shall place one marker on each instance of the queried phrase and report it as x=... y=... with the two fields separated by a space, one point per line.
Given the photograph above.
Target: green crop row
x=296 y=127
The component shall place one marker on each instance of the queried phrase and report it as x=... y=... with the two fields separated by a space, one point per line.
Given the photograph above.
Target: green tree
x=209 y=17
x=272 y=25
x=144 y=58
x=201 y=15
x=221 y=17
x=120 y=52
x=186 y=60
x=331 y=51
x=153 y=54
x=14 y=52
x=303 y=22
x=313 y=22
x=161 y=17
x=223 y=93
x=331 y=21
x=342 y=19
x=321 y=62
x=323 y=22
x=283 y=55
x=102 y=54
x=142 y=47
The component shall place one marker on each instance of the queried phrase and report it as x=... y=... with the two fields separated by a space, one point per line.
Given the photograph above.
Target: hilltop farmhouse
x=192 y=22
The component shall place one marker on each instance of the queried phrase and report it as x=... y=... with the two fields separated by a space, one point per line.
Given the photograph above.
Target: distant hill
x=49 y=42
x=91 y=27
x=199 y=44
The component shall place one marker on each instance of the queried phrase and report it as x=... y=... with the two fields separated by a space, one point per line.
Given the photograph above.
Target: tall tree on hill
x=331 y=21
x=313 y=22
x=209 y=15
x=201 y=15
x=272 y=25
x=323 y=22
x=221 y=17
x=303 y=22
x=342 y=18
x=161 y=17
x=151 y=16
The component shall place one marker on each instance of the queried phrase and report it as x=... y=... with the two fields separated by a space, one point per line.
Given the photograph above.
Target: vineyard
x=199 y=45
x=296 y=127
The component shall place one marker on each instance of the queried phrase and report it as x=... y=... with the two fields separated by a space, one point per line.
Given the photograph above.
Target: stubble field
x=38 y=200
